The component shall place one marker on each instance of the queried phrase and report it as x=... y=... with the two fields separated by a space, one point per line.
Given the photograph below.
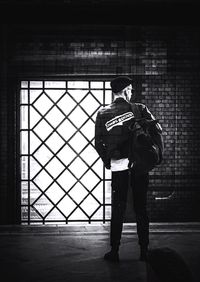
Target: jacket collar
x=120 y=100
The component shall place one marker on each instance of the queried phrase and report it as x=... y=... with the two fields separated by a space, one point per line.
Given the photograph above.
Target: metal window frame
x=18 y=104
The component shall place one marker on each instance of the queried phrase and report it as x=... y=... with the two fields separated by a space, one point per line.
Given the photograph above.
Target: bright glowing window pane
x=78 y=167
x=78 y=142
x=55 y=193
x=94 y=116
x=78 y=213
x=43 y=129
x=98 y=214
x=78 y=117
x=43 y=155
x=35 y=84
x=34 y=142
x=24 y=192
x=78 y=84
x=108 y=192
x=55 y=214
x=33 y=94
x=89 y=155
x=24 y=142
x=66 y=104
x=107 y=85
x=55 y=84
x=66 y=180
x=78 y=193
x=98 y=95
x=34 y=117
x=107 y=212
x=89 y=180
x=24 y=84
x=66 y=129
x=34 y=167
x=107 y=173
x=43 y=205
x=55 y=94
x=43 y=104
x=55 y=142
x=66 y=205
x=88 y=130
x=43 y=180
x=54 y=117
x=78 y=95
x=90 y=205
x=34 y=192
x=55 y=167
x=24 y=96
x=96 y=84
x=24 y=213
x=98 y=192
x=24 y=167
x=108 y=97
x=66 y=155
x=98 y=168
x=24 y=117
x=92 y=102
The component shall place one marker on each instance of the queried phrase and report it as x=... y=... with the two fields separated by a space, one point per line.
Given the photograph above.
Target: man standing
x=112 y=145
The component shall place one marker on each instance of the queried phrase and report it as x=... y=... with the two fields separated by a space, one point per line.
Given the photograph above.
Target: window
x=62 y=177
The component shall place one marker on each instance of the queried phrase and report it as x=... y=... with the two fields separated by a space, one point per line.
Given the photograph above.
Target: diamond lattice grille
x=62 y=177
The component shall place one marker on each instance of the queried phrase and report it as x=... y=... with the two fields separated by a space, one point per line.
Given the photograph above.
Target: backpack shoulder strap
x=135 y=110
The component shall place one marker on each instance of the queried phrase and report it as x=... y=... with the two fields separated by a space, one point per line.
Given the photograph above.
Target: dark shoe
x=112 y=256
x=143 y=253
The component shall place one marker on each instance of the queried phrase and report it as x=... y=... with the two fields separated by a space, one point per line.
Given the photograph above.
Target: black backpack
x=145 y=143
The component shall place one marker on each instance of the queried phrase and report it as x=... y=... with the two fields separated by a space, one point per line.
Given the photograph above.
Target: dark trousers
x=139 y=184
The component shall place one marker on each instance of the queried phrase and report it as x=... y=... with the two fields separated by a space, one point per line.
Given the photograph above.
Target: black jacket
x=111 y=129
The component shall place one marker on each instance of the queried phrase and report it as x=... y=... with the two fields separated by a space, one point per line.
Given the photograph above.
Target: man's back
x=112 y=128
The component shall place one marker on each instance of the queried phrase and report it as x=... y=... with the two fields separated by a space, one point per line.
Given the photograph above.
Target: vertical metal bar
x=18 y=165
x=104 y=212
x=43 y=88
x=29 y=153
x=89 y=83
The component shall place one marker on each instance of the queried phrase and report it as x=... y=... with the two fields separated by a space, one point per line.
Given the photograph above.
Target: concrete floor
x=75 y=253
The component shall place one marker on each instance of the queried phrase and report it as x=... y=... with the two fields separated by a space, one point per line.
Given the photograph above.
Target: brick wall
x=3 y=127
x=165 y=64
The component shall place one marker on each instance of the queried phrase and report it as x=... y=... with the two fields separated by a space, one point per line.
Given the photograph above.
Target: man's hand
x=107 y=165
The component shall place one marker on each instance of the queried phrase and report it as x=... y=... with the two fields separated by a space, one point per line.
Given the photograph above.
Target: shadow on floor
x=166 y=265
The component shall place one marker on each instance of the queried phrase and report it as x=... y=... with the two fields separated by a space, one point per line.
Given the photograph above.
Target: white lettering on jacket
x=118 y=120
